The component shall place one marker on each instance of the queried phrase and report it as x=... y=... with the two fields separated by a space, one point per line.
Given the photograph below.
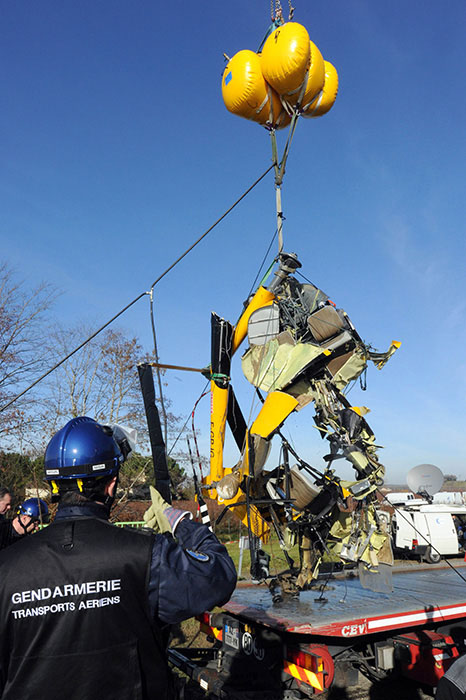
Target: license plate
x=242 y=638
x=231 y=634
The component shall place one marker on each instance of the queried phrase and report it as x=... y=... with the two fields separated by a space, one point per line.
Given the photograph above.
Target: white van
x=427 y=531
x=403 y=498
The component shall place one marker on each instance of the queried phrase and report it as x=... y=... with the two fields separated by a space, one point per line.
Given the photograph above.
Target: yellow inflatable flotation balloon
x=246 y=93
x=325 y=100
x=316 y=77
x=285 y=60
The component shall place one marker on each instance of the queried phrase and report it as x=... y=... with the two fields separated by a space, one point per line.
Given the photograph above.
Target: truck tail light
x=311 y=662
x=208 y=625
x=311 y=665
x=415 y=544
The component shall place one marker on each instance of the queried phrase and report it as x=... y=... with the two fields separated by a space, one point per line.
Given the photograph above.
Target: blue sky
x=117 y=152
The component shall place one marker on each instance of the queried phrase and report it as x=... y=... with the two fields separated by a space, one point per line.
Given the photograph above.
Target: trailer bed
x=419 y=597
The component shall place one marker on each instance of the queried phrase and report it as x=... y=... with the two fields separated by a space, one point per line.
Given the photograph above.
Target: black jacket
x=452 y=686
x=8 y=534
x=84 y=605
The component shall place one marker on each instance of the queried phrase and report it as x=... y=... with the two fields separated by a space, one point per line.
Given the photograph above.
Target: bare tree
x=23 y=353
x=100 y=381
x=117 y=377
x=72 y=390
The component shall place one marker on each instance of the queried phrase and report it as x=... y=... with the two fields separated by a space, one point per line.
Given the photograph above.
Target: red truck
x=299 y=647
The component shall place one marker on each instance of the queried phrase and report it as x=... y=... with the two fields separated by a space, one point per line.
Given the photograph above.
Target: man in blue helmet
x=29 y=515
x=86 y=605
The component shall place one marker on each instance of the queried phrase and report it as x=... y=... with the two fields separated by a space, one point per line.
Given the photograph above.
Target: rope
x=136 y=299
x=267 y=272
x=225 y=214
x=277 y=14
x=308 y=280
x=204 y=393
x=253 y=285
x=294 y=121
x=269 y=31
x=183 y=428
x=202 y=508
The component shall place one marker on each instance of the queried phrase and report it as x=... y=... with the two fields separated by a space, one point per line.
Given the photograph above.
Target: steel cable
x=140 y=296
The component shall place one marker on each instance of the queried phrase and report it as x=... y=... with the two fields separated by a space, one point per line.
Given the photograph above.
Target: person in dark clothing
x=86 y=605
x=30 y=514
x=460 y=531
x=452 y=686
x=5 y=502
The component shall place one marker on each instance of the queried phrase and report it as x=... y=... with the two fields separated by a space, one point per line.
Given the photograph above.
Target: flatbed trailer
x=298 y=648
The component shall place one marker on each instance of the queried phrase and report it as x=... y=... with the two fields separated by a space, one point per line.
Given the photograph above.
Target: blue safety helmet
x=36 y=508
x=83 y=449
